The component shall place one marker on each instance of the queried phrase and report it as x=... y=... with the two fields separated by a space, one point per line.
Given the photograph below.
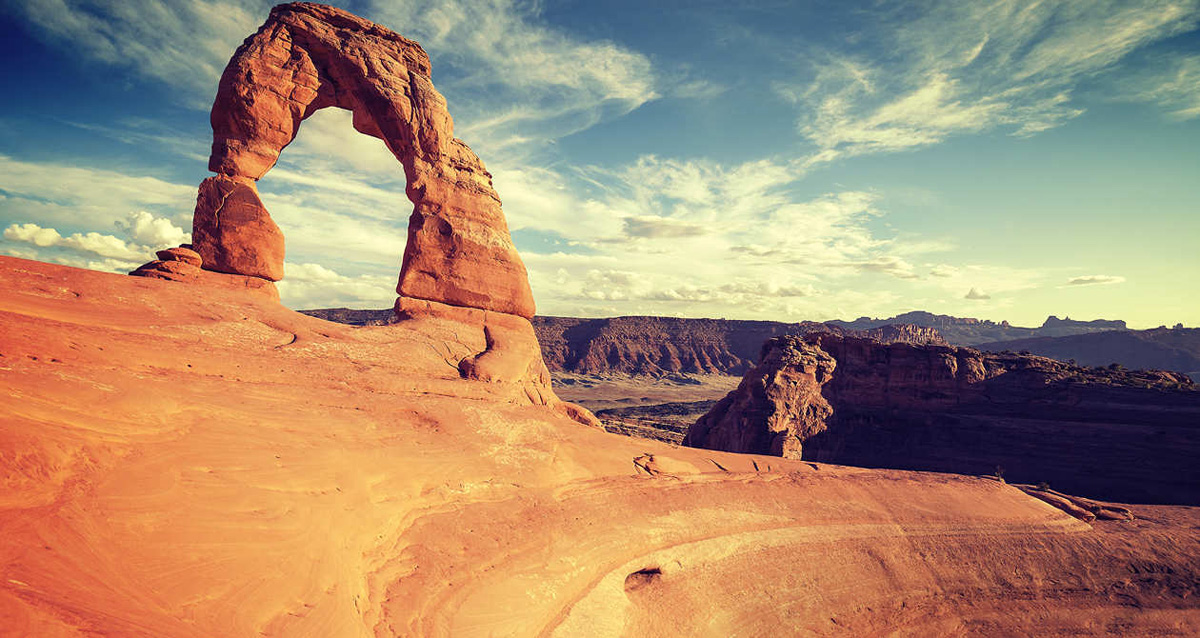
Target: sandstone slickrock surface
x=1107 y=433
x=307 y=57
x=226 y=467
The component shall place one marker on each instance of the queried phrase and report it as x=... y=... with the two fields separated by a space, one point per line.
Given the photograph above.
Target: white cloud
x=308 y=285
x=660 y=227
x=145 y=234
x=327 y=140
x=157 y=232
x=486 y=53
x=976 y=294
x=33 y=234
x=103 y=245
x=1094 y=280
x=958 y=67
x=500 y=52
x=63 y=196
x=698 y=238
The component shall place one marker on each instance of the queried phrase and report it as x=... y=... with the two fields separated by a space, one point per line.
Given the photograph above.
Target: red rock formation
x=460 y=265
x=777 y=406
x=308 y=57
x=1110 y=433
x=902 y=333
x=1163 y=348
x=185 y=265
x=968 y=331
x=232 y=231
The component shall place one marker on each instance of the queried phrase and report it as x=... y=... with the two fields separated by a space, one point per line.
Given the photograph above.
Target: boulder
x=232 y=231
x=778 y=404
x=181 y=253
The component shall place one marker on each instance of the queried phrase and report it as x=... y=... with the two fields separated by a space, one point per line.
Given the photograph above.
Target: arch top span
x=306 y=57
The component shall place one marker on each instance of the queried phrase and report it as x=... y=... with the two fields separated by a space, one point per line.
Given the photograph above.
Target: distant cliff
x=656 y=345
x=1163 y=348
x=967 y=331
x=353 y=317
x=666 y=345
x=1105 y=432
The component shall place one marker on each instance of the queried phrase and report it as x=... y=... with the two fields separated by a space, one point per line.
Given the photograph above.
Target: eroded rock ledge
x=1108 y=433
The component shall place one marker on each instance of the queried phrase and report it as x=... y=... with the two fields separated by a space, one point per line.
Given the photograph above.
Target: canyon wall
x=1104 y=432
x=665 y=345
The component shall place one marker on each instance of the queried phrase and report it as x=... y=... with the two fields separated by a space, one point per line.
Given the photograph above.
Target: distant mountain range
x=668 y=345
x=1175 y=349
x=965 y=331
x=1100 y=342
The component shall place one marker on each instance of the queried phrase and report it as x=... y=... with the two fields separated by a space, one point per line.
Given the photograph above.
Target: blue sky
x=1002 y=160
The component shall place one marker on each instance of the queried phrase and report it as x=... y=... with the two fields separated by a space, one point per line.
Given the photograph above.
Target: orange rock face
x=232 y=232
x=308 y=57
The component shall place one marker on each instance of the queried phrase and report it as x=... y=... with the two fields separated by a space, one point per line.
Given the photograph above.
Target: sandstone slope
x=183 y=460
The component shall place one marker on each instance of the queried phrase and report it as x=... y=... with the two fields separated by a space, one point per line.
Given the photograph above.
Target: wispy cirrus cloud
x=514 y=82
x=965 y=67
x=1171 y=83
x=81 y=198
x=701 y=238
x=183 y=44
x=486 y=53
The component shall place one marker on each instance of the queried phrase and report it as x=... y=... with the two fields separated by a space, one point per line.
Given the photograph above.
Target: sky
x=1006 y=160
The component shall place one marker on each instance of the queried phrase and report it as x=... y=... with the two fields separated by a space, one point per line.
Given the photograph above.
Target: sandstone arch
x=307 y=57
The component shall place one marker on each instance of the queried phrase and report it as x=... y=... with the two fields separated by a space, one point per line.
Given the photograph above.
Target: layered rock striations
x=1108 y=433
x=666 y=345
